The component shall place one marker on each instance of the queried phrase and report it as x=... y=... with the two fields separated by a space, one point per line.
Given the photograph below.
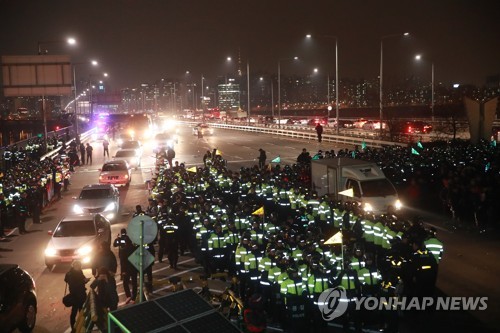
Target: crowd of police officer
x=265 y=227
x=24 y=184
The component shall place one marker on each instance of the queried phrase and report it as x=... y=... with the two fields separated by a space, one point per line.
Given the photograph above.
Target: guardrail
x=300 y=133
x=83 y=137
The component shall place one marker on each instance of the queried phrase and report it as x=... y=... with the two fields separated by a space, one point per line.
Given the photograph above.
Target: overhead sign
x=142 y=225
x=36 y=75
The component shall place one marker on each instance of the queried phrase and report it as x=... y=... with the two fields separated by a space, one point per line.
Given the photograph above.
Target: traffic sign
x=135 y=259
x=142 y=225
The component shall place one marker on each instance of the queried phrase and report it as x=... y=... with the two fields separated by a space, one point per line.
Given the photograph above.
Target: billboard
x=36 y=75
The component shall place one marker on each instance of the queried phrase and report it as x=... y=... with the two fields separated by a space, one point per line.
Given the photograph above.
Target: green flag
x=493 y=143
x=414 y=151
x=276 y=160
x=419 y=145
x=316 y=157
x=353 y=154
x=487 y=167
x=363 y=145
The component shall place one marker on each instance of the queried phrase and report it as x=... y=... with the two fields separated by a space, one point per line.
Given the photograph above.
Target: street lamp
x=381 y=73
x=91 y=87
x=337 y=85
x=272 y=95
x=69 y=41
x=93 y=63
x=279 y=86
x=418 y=57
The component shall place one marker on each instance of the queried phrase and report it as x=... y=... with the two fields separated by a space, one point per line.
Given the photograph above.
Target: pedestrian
x=319 y=131
x=3 y=217
x=129 y=272
x=35 y=204
x=170 y=156
x=82 y=152
x=121 y=243
x=76 y=281
x=262 y=158
x=104 y=258
x=20 y=212
x=89 y=150
x=105 y=146
x=105 y=284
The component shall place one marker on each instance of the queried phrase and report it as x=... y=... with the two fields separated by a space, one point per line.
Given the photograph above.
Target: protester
x=76 y=281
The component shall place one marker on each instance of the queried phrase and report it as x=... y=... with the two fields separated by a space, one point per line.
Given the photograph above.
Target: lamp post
x=91 y=87
x=272 y=95
x=337 y=85
x=279 y=87
x=381 y=74
x=418 y=57
x=70 y=41
x=93 y=63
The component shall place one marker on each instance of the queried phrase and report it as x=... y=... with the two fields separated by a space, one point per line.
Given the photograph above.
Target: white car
x=98 y=198
x=132 y=144
x=130 y=155
x=77 y=238
x=116 y=172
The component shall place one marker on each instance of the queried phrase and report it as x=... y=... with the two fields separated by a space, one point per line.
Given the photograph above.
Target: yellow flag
x=348 y=193
x=192 y=169
x=335 y=239
x=218 y=152
x=259 y=211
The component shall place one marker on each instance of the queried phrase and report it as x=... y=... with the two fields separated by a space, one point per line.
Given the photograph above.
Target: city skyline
x=142 y=41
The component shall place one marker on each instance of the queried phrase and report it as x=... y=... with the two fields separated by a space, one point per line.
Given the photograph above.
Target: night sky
x=140 y=41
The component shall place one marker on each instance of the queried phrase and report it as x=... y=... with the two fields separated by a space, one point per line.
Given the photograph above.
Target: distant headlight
x=398 y=205
x=84 y=250
x=111 y=206
x=120 y=141
x=170 y=143
x=77 y=209
x=50 y=252
x=368 y=207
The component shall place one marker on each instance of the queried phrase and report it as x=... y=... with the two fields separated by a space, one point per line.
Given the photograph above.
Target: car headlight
x=84 y=250
x=120 y=141
x=50 y=252
x=398 y=205
x=111 y=206
x=368 y=207
x=170 y=143
x=77 y=209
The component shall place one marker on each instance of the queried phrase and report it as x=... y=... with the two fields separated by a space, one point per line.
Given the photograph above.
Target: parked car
x=359 y=123
x=116 y=172
x=77 y=237
x=346 y=123
x=373 y=125
x=18 y=302
x=204 y=128
x=129 y=155
x=418 y=127
x=98 y=198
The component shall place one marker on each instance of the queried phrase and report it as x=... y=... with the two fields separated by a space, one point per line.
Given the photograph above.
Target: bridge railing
x=301 y=133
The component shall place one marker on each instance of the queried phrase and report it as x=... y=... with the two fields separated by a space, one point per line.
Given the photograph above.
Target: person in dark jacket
x=104 y=258
x=76 y=284
x=105 y=284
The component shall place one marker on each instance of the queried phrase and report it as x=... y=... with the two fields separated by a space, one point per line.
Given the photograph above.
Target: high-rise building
x=229 y=96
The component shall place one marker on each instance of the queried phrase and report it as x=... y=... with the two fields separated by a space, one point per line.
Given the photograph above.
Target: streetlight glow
x=71 y=41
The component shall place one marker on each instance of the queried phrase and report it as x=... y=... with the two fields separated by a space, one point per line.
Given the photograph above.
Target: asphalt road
x=470 y=266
